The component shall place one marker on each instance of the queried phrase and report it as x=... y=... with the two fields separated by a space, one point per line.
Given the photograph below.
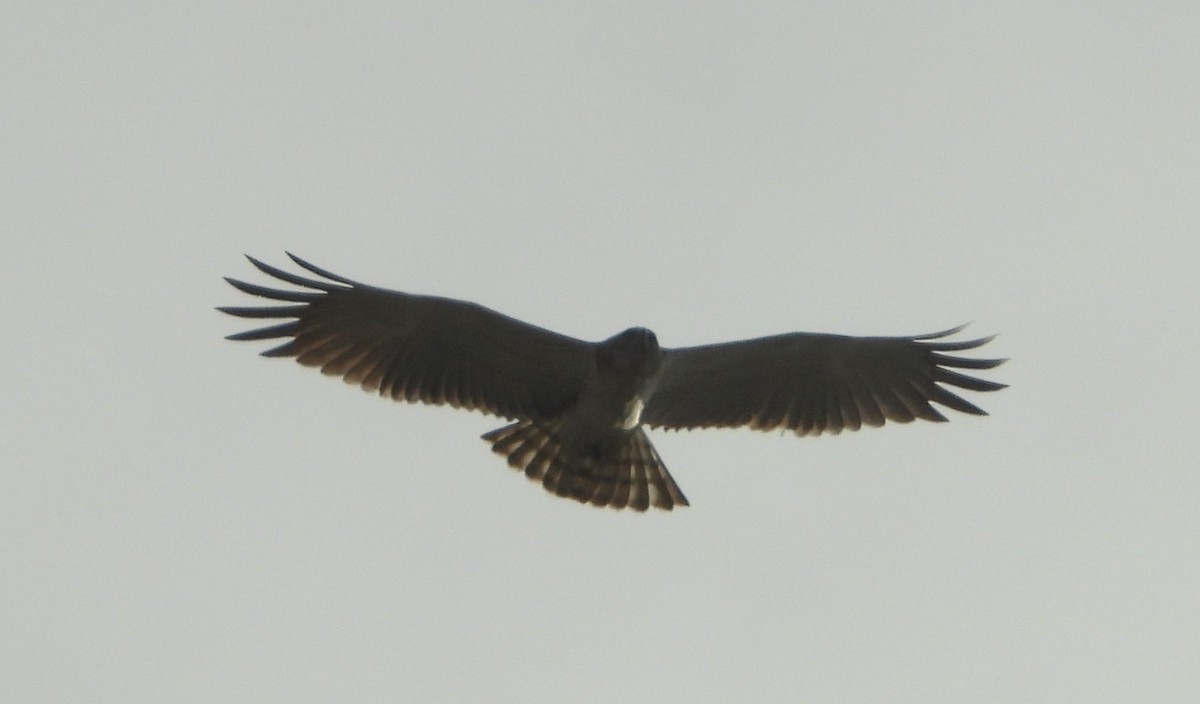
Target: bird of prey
x=579 y=407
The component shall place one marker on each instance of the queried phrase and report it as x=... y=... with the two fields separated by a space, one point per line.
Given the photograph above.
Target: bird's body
x=580 y=408
x=623 y=378
x=596 y=451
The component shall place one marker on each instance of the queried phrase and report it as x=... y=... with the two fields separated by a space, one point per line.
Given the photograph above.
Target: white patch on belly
x=633 y=414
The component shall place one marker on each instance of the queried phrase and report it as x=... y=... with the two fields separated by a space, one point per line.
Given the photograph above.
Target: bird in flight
x=578 y=408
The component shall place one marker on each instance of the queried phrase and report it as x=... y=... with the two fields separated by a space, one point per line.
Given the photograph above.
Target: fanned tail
x=626 y=472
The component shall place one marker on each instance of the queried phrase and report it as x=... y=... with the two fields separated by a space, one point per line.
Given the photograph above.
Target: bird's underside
x=578 y=408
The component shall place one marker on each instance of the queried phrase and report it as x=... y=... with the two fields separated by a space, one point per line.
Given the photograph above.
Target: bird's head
x=636 y=349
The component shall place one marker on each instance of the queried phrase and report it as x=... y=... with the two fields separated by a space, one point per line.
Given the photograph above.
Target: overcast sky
x=184 y=521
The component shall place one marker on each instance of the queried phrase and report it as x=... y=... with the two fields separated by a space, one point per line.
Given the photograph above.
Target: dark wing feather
x=813 y=383
x=418 y=348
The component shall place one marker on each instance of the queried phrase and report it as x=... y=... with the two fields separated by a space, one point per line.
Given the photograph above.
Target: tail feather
x=626 y=473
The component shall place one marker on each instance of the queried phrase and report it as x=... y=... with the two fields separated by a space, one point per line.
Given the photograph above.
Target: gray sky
x=183 y=521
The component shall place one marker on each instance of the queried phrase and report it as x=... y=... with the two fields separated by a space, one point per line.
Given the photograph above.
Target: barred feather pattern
x=628 y=473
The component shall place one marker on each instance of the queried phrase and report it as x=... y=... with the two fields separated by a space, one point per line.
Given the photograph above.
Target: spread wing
x=813 y=383
x=418 y=348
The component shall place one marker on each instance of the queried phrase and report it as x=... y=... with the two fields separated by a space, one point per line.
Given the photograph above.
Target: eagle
x=578 y=409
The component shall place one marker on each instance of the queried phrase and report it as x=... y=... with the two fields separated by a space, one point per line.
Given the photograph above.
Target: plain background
x=183 y=521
